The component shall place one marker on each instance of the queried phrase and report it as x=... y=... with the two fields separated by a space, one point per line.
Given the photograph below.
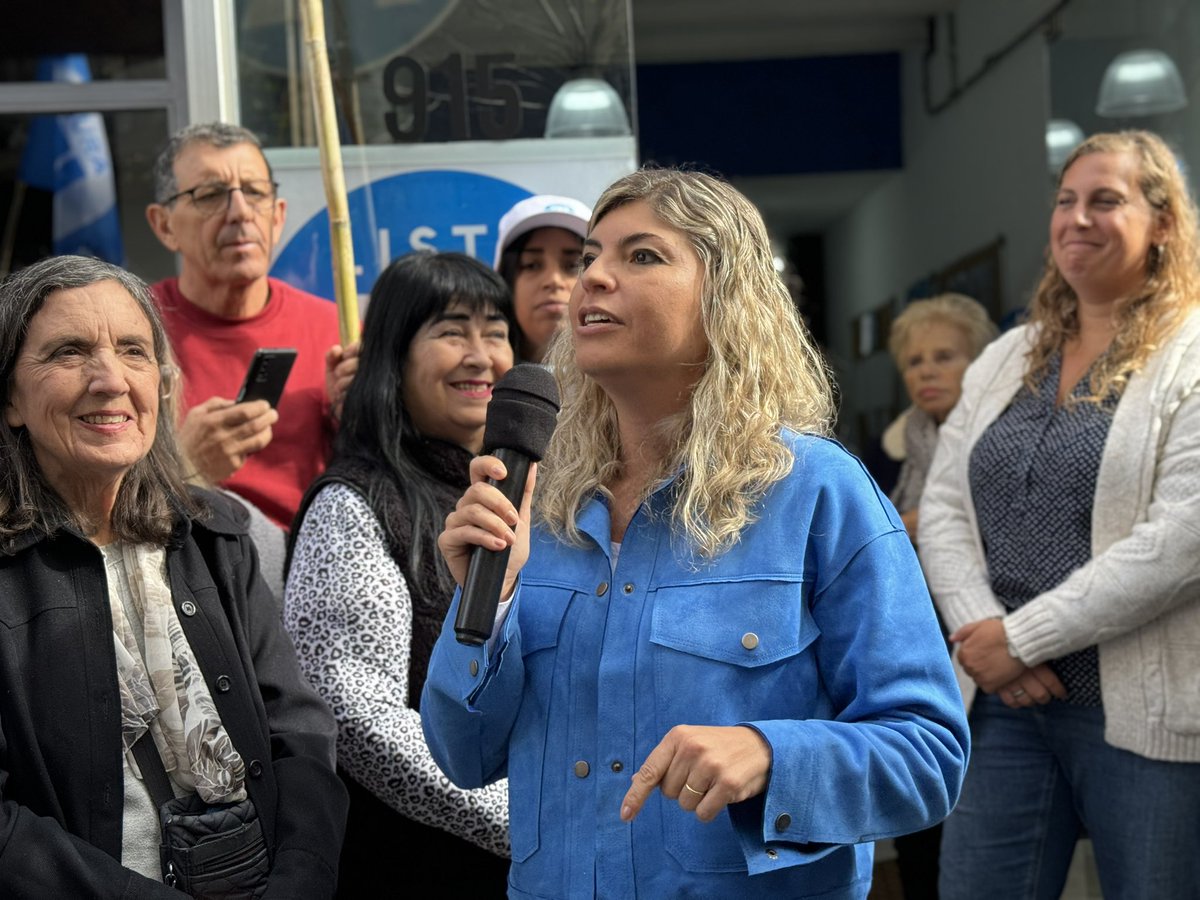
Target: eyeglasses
x=210 y=199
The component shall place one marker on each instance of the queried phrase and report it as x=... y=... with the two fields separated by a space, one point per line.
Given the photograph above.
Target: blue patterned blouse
x=1033 y=481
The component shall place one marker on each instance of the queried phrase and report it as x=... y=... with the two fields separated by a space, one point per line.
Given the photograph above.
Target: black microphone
x=520 y=420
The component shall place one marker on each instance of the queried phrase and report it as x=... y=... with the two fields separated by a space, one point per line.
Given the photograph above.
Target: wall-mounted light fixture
x=1141 y=83
x=1062 y=136
x=586 y=107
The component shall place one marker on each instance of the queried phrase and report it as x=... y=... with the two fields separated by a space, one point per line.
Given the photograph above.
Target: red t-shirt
x=214 y=352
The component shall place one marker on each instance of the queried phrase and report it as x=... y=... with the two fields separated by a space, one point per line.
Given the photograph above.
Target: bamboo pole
x=345 y=288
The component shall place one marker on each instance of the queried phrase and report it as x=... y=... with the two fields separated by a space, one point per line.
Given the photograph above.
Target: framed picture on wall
x=871 y=329
x=978 y=275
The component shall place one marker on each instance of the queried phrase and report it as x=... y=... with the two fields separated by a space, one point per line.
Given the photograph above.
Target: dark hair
x=153 y=491
x=214 y=134
x=376 y=427
x=509 y=267
x=510 y=258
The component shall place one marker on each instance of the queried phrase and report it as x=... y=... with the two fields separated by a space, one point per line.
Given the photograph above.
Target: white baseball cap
x=541 y=211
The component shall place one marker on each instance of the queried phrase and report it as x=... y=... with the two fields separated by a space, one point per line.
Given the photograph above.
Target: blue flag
x=69 y=156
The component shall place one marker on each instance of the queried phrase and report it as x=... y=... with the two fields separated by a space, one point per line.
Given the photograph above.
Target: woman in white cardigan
x=1060 y=534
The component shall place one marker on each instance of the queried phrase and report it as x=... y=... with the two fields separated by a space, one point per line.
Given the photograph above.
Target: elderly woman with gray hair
x=933 y=341
x=143 y=666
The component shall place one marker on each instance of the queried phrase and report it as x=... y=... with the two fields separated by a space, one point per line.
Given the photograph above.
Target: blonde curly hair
x=763 y=374
x=1171 y=289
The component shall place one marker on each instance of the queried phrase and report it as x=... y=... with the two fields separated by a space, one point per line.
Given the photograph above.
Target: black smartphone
x=267 y=375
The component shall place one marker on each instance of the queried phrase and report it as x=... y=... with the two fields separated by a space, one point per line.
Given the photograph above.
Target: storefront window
x=73 y=180
x=120 y=40
x=86 y=193
x=431 y=70
x=1121 y=65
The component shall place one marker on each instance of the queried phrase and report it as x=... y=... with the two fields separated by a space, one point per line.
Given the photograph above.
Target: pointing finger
x=647 y=778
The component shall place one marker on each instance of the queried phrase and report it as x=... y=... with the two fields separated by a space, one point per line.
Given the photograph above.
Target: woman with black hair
x=367 y=590
x=539 y=242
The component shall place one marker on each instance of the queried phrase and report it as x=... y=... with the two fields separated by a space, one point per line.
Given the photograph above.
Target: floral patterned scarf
x=164 y=692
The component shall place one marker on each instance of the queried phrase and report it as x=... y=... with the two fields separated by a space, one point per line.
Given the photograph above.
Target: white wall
x=973 y=173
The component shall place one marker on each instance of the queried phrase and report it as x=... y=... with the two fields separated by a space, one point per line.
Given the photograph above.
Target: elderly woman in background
x=537 y=254
x=718 y=603
x=135 y=620
x=367 y=589
x=1060 y=531
x=933 y=341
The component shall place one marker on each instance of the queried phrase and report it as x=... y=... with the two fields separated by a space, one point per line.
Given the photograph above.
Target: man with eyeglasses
x=219 y=209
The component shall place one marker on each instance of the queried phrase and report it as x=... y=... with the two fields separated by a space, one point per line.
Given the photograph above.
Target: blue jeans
x=1036 y=778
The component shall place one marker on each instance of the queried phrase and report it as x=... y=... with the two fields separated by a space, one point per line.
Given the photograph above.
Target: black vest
x=431 y=589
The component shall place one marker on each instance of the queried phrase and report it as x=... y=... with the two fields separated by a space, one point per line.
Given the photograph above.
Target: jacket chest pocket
x=732 y=630
x=726 y=653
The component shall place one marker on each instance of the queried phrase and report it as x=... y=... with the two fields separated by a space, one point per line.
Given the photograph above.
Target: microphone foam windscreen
x=522 y=412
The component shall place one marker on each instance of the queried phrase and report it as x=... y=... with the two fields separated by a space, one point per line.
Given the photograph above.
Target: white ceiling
x=807 y=204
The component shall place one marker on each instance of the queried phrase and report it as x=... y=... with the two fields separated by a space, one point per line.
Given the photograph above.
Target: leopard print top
x=348 y=610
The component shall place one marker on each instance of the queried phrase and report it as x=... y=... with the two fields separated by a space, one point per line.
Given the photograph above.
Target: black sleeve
x=311 y=813
x=39 y=859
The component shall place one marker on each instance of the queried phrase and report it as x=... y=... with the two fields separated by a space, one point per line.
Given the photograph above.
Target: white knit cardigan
x=1139 y=595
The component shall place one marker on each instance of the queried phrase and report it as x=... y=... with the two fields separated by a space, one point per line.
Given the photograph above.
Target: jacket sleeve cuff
x=1032 y=634
x=470 y=699
x=477 y=669
x=966 y=605
x=771 y=827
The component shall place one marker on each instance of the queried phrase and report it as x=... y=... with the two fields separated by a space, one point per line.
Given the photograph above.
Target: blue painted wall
x=773 y=117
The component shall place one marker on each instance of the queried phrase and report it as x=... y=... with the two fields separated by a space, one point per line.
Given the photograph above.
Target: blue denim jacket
x=816 y=629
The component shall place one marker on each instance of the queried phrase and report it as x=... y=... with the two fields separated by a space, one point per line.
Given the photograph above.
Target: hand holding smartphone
x=267 y=375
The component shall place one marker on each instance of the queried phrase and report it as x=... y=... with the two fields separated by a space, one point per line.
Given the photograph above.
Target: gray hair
x=215 y=134
x=153 y=491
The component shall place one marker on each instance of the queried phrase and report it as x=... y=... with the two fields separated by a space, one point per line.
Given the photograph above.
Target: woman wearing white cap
x=537 y=253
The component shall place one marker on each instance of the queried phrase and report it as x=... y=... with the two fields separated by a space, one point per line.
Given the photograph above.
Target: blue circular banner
x=426 y=210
